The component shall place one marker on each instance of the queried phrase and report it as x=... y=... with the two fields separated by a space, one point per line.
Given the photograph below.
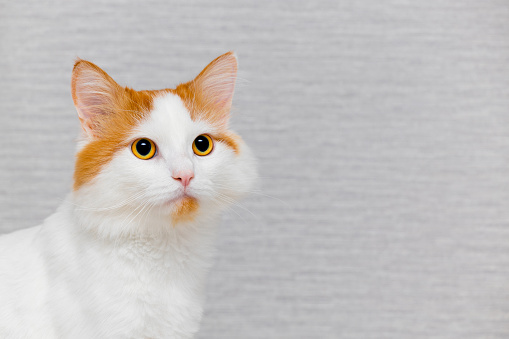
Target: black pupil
x=202 y=143
x=143 y=147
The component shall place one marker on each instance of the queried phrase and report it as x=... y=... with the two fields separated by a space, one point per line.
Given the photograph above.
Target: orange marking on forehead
x=194 y=103
x=130 y=107
x=197 y=105
x=185 y=210
x=197 y=112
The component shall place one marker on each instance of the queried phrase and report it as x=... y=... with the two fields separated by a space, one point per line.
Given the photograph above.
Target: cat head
x=150 y=160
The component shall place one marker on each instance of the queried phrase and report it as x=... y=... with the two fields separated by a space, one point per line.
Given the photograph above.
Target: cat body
x=59 y=281
x=126 y=254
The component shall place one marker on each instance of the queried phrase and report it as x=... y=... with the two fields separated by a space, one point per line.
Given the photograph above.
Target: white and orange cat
x=126 y=254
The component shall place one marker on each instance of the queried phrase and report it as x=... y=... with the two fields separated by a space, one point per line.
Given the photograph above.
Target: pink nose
x=183 y=177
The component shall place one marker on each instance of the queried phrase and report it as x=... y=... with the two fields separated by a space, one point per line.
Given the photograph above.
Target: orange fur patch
x=185 y=210
x=200 y=97
x=230 y=139
x=129 y=108
x=198 y=111
x=209 y=95
x=196 y=104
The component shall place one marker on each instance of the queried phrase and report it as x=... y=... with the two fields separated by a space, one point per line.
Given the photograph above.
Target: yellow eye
x=203 y=145
x=143 y=148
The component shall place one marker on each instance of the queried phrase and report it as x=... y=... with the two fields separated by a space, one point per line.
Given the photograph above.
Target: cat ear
x=94 y=93
x=215 y=86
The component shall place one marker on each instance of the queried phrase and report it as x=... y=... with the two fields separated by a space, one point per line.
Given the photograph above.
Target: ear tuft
x=215 y=85
x=93 y=93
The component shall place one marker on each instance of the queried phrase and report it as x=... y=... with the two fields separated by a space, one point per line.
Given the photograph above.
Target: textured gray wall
x=382 y=129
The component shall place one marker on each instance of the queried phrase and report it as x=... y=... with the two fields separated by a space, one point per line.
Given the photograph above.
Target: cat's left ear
x=214 y=87
x=94 y=94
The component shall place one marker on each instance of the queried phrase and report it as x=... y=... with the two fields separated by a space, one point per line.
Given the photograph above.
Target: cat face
x=165 y=155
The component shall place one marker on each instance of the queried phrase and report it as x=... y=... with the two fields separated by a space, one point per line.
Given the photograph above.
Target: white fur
x=109 y=263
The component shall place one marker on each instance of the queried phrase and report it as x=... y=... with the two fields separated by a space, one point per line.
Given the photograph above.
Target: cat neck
x=142 y=224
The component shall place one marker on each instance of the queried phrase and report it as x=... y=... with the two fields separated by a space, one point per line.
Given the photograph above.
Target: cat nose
x=183 y=177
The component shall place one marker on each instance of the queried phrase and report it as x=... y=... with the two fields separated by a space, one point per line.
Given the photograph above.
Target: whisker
x=119 y=205
x=228 y=207
x=235 y=203
x=254 y=192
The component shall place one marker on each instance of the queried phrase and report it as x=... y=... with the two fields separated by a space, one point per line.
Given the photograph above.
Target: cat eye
x=143 y=148
x=203 y=145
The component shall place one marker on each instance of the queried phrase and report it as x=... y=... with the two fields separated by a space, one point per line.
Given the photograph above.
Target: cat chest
x=151 y=298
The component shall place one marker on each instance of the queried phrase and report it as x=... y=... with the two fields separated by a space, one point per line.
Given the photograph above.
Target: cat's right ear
x=94 y=93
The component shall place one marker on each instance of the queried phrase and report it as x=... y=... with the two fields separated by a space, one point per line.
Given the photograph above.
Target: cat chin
x=157 y=221
x=178 y=199
x=179 y=206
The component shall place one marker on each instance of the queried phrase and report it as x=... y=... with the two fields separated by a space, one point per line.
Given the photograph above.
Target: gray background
x=382 y=130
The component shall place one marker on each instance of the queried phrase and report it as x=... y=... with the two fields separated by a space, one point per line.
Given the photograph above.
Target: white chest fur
x=81 y=286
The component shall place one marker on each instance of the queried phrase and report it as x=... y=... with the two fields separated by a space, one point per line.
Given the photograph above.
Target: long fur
x=126 y=254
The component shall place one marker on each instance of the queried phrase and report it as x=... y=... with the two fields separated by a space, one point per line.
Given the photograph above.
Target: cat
x=125 y=255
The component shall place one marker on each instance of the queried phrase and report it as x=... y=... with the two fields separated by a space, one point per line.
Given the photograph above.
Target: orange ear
x=94 y=93
x=214 y=88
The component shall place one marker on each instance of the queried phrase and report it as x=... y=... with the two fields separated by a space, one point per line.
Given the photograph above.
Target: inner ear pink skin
x=209 y=96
